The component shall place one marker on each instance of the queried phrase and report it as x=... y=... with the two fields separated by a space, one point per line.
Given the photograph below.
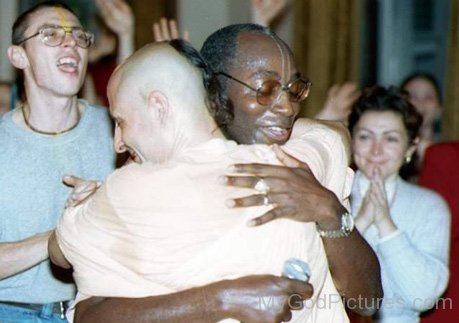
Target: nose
x=118 y=142
x=375 y=147
x=284 y=106
x=69 y=41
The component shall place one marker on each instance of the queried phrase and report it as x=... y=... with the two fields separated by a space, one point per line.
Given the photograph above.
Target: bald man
x=161 y=226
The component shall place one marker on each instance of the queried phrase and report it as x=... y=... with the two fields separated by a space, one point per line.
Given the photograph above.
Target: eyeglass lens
x=54 y=36
x=297 y=91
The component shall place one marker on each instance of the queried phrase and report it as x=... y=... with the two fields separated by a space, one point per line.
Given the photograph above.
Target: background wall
x=202 y=17
x=7 y=16
x=396 y=37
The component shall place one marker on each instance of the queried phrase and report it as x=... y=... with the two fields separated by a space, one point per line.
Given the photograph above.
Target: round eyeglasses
x=269 y=91
x=54 y=36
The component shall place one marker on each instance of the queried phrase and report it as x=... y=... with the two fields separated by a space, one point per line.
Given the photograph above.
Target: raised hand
x=167 y=30
x=375 y=208
x=340 y=99
x=366 y=214
x=382 y=218
x=117 y=15
x=264 y=11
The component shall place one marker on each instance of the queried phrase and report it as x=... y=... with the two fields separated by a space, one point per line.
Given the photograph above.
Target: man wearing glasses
x=50 y=135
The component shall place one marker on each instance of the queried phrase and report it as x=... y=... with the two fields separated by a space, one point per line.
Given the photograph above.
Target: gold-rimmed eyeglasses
x=53 y=36
x=269 y=90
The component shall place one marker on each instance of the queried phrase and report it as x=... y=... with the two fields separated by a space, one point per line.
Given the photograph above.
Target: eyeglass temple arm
x=235 y=79
x=27 y=38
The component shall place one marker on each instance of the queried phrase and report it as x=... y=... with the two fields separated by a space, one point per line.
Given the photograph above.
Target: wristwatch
x=347 y=225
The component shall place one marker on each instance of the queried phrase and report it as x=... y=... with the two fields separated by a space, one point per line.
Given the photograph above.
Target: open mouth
x=276 y=133
x=68 y=64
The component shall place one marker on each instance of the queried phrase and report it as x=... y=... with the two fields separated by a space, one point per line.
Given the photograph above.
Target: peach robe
x=153 y=229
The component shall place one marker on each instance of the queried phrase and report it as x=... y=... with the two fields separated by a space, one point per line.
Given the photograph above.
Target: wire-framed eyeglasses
x=53 y=36
x=269 y=91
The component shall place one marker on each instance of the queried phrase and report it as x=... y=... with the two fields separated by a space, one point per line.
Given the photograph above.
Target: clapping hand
x=375 y=207
x=340 y=99
x=264 y=11
x=117 y=15
x=167 y=30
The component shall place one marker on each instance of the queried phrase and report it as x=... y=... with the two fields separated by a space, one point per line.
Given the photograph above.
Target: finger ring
x=261 y=186
x=266 y=200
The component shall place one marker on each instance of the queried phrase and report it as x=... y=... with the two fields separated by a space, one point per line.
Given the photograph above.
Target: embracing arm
x=21 y=255
x=355 y=270
x=240 y=299
x=353 y=264
x=298 y=195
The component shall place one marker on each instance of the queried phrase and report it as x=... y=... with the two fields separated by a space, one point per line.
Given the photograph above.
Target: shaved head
x=158 y=66
x=158 y=100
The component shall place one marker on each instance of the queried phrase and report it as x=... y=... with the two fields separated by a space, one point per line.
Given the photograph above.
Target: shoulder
x=330 y=129
x=421 y=195
x=125 y=181
x=96 y=119
x=419 y=206
x=332 y=134
x=127 y=172
x=136 y=184
x=96 y=111
x=10 y=133
x=6 y=120
x=135 y=175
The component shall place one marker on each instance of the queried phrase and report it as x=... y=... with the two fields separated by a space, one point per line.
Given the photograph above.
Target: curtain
x=148 y=12
x=450 y=122
x=326 y=45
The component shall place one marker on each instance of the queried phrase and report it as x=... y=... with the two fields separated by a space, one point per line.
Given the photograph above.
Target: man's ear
x=18 y=57
x=159 y=106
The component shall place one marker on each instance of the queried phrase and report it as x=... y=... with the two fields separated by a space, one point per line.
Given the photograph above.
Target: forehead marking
x=285 y=62
x=62 y=17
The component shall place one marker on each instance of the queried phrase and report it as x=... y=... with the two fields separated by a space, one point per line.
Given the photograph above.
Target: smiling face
x=380 y=140
x=260 y=58
x=58 y=70
x=144 y=105
x=423 y=95
x=133 y=125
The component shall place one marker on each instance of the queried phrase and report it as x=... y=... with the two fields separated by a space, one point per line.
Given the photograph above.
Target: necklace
x=49 y=133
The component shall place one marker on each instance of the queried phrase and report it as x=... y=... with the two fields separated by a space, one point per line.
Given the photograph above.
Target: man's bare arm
x=22 y=255
x=241 y=299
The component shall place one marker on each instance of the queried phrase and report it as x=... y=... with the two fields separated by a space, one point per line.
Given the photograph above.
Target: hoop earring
x=408 y=159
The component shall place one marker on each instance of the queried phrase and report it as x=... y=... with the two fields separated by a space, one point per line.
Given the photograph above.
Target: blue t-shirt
x=32 y=194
